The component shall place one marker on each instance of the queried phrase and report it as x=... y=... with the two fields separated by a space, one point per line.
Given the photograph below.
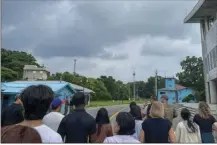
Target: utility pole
x=156 y=82
x=134 y=86
x=74 y=66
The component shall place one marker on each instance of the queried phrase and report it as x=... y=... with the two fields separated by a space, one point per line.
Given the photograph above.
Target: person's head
x=36 y=101
x=125 y=124
x=185 y=114
x=204 y=110
x=78 y=100
x=157 y=110
x=19 y=134
x=136 y=112
x=132 y=104
x=164 y=99
x=56 y=105
x=102 y=116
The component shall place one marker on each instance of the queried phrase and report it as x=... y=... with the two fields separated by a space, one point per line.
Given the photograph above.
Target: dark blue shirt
x=156 y=130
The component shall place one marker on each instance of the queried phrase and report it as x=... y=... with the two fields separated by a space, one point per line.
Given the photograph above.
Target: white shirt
x=48 y=135
x=184 y=136
x=121 y=139
x=53 y=120
x=138 y=128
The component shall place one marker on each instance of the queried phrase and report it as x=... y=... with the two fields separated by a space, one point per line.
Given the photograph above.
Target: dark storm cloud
x=96 y=25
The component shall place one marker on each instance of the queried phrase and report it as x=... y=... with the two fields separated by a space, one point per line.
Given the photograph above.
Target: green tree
x=192 y=74
x=15 y=60
x=8 y=74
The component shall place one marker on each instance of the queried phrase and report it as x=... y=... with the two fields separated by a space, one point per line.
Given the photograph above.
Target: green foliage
x=188 y=98
x=12 y=63
x=8 y=74
x=192 y=75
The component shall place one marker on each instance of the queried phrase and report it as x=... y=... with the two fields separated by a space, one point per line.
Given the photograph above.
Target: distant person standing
x=186 y=130
x=36 y=101
x=206 y=122
x=104 y=128
x=12 y=114
x=169 y=110
x=78 y=126
x=137 y=115
x=54 y=118
x=131 y=105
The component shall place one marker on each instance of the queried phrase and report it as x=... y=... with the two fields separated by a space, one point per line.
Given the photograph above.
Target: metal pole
x=75 y=66
x=134 y=86
x=156 y=83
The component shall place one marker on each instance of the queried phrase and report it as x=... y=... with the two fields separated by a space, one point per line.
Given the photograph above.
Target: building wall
x=170 y=83
x=183 y=93
x=209 y=53
x=171 y=95
x=34 y=74
x=63 y=94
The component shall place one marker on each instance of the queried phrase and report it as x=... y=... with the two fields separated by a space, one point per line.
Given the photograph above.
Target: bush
x=188 y=98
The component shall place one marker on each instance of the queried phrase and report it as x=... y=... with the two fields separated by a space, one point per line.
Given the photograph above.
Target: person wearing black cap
x=78 y=126
x=12 y=114
x=54 y=118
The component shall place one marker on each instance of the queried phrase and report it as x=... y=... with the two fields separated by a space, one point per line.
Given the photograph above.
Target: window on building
x=162 y=93
x=41 y=72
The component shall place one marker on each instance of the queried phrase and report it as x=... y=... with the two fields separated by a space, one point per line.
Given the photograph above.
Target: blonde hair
x=157 y=110
x=204 y=110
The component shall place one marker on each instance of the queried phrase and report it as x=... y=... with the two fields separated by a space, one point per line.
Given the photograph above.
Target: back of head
x=164 y=98
x=19 y=134
x=132 y=104
x=185 y=114
x=102 y=116
x=157 y=110
x=204 y=110
x=36 y=101
x=136 y=112
x=126 y=123
x=78 y=99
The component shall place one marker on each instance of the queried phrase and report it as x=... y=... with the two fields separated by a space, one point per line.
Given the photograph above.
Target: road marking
x=116 y=113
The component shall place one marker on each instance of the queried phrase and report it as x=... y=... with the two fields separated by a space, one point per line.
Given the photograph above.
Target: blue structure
x=61 y=89
x=176 y=93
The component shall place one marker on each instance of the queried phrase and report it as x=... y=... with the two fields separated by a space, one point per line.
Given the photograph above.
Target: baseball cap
x=56 y=102
x=165 y=97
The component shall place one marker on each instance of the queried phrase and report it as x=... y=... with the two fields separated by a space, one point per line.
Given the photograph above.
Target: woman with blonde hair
x=157 y=129
x=206 y=122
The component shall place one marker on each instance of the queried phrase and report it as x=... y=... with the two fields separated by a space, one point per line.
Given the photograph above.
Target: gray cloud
x=87 y=27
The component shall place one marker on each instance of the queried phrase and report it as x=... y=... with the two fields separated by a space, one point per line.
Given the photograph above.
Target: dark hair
x=126 y=123
x=148 y=110
x=78 y=99
x=36 y=101
x=132 y=104
x=101 y=118
x=19 y=134
x=185 y=114
x=136 y=112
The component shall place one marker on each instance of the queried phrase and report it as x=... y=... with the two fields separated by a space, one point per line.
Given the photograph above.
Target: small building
x=10 y=89
x=176 y=93
x=32 y=72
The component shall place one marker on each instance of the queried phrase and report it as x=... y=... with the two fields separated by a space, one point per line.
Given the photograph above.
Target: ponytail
x=191 y=126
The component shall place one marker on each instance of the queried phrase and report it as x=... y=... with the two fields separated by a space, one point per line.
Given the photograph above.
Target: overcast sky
x=107 y=38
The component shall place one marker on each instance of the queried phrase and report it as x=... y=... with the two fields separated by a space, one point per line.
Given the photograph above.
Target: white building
x=32 y=72
x=205 y=13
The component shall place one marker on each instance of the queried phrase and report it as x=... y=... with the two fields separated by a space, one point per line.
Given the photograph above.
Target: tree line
x=107 y=87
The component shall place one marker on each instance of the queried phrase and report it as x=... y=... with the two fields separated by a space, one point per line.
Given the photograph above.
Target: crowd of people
x=28 y=120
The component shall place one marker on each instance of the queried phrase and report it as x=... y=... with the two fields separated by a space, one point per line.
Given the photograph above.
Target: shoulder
x=180 y=124
x=48 y=135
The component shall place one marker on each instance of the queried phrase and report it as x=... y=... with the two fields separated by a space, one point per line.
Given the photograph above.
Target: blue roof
x=18 y=86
